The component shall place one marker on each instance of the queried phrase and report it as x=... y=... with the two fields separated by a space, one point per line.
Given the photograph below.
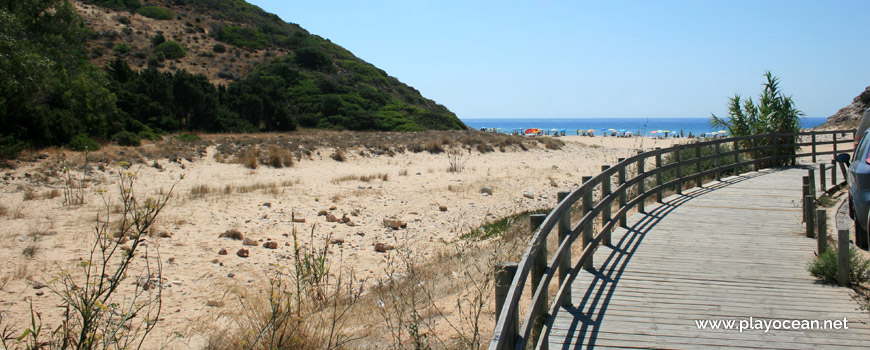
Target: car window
x=861 y=150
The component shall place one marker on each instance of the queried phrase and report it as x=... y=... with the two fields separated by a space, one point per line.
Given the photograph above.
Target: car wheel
x=860 y=236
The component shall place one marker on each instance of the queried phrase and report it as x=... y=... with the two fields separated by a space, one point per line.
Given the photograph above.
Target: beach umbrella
x=605 y=129
x=654 y=132
x=614 y=130
x=723 y=132
x=628 y=132
x=590 y=130
x=621 y=130
x=563 y=130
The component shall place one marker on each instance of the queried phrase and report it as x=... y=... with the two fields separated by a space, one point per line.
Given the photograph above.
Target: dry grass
x=201 y=191
x=232 y=234
x=338 y=155
x=363 y=178
x=3 y=210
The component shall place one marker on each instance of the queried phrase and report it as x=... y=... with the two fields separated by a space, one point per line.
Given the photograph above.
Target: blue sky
x=605 y=59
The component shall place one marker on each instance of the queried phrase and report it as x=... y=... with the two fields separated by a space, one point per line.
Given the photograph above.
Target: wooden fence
x=683 y=164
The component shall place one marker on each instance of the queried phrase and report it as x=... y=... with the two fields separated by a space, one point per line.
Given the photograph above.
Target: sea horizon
x=637 y=126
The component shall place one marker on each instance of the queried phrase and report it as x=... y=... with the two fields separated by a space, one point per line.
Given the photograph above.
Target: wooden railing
x=753 y=152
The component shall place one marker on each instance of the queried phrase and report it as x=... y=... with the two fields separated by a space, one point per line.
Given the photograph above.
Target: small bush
x=170 y=50
x=338 y=155
x=122 y=48
x=149 y=135
x=279 y=157
x=126 y=138
x=824 y=267
x=232 y=234
x=124 y=20
x=433 y=147
x=156 y=12
x=219 y=48
x=187 y=137
x=30 y=251
x=82 y=142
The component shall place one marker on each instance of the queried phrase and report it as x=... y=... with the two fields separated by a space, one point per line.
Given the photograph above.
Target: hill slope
x=174 y=65
x=849 y=116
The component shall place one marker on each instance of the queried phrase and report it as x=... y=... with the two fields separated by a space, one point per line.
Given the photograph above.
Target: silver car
x=858 y=180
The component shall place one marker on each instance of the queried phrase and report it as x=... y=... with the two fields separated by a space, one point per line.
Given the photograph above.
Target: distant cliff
x=849 y=116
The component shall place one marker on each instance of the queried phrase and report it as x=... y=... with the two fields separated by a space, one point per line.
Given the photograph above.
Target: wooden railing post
x=679 y=171
x=641 y=185
x=718 y=162
x=659 y=176
x=699 y=182
x=504 y=276
x=835 y=144
x=813 y=142
x=587 y=232
x=773 y=145
x=833 y=171
x=605 y=212
x=754 y=154
x=539 y=267
x=809 y=209
x=565 y=263
x=812 y=174
x=805 y=191
x=736 y=146
x=843 y=257
x=623 y=220
x=821 y=230
x=822 y=178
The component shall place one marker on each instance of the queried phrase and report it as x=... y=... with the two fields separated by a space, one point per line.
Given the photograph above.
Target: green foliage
x=121 y=48
x=187 y=137
x=249 y=38
x=170 y=50
x=149 y=135
x=10 y=147
x=82 y=142
x=502 y=226
x=824 y=267
x=126 y=138
x=219 y=48
x=158 y=39
x=50 y=93
x=156 y=12
x=774 y=112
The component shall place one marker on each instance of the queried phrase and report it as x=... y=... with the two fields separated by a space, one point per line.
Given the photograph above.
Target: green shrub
x=10 y=147
x=187 y=137
x=243 y=37
x=824 y=267
x=169 y=49
x=82 y=142
x=156 y=12
x=157 y=39
x=121 y=48
x=219 y=48
x=149 y=135
x=126 y=138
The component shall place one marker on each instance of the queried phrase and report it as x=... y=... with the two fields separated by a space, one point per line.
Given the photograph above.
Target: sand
x=410 y=187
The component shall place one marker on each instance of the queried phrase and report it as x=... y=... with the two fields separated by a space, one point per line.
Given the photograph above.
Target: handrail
x=754 y=150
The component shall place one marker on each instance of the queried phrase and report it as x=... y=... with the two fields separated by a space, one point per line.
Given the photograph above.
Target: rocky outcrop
x=849 y=116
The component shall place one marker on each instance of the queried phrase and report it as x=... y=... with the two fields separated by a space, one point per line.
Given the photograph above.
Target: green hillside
x=51 y=93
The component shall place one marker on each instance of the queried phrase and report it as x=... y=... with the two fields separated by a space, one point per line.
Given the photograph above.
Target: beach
x=346 y=206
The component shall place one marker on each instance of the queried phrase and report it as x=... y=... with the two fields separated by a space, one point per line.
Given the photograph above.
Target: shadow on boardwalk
x=589 y=312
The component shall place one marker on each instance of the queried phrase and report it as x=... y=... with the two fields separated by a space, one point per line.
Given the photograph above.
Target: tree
x=773 y=113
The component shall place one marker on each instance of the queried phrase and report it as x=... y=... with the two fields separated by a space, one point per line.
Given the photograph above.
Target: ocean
x=638 y=126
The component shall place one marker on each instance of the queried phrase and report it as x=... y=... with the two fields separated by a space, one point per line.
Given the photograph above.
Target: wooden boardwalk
x=729 y=251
